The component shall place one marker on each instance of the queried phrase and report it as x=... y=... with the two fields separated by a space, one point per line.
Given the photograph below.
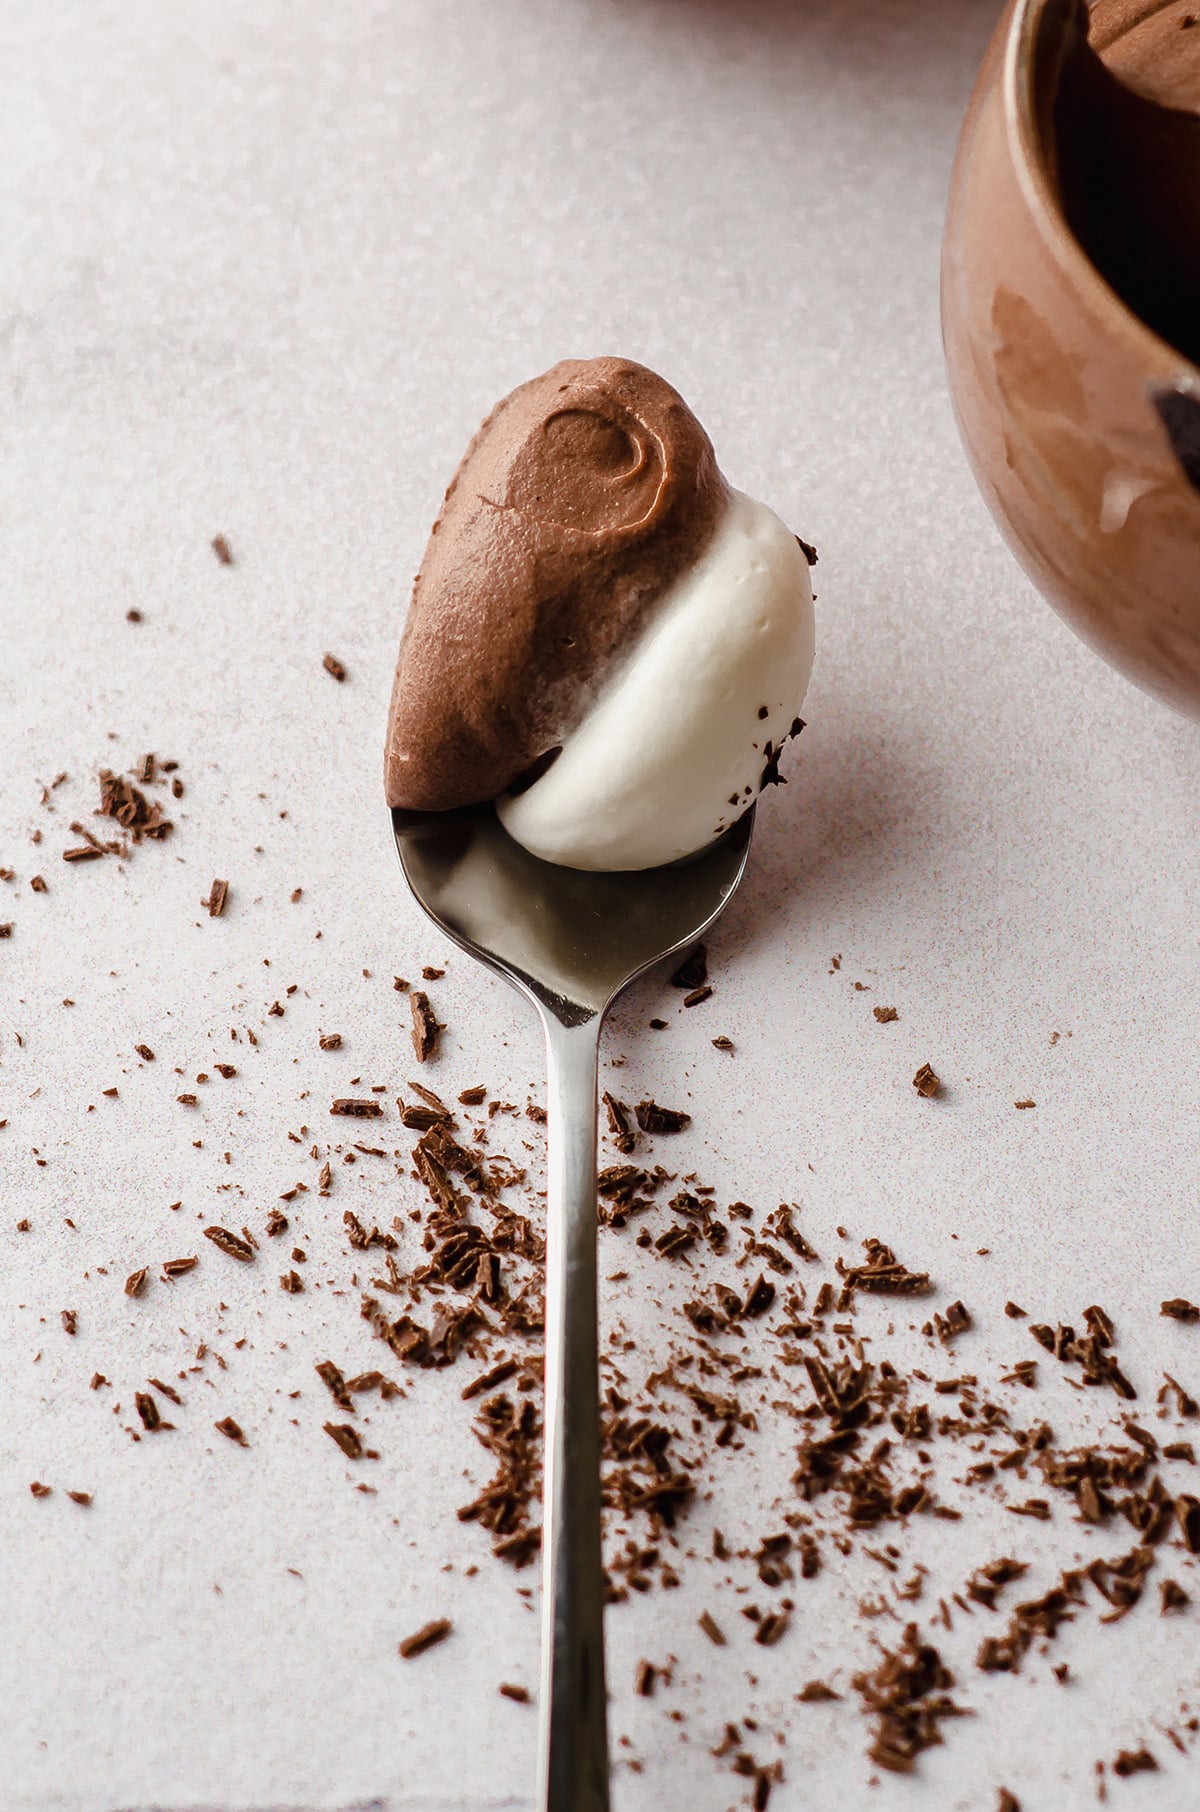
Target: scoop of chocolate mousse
x=582 y=498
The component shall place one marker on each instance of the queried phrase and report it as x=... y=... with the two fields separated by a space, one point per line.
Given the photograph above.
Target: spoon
x=569 y=942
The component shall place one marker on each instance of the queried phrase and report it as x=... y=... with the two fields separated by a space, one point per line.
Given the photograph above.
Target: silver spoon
x=569 y=942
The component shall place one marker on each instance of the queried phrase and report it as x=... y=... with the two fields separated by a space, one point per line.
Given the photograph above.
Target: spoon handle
x=572 y=1732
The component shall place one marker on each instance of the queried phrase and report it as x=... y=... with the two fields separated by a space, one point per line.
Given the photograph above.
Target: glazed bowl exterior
x=1079 y=422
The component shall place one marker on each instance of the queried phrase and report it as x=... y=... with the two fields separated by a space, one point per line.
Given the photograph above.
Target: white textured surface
x=264 y=265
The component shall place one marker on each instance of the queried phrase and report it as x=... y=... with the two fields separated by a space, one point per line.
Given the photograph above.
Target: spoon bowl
x=570 y=938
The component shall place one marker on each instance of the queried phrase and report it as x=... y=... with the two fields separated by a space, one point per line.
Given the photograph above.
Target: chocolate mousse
x=582 y=497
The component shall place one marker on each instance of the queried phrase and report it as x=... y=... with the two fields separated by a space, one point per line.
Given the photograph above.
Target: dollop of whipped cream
x=604 y=637
x=677 y=740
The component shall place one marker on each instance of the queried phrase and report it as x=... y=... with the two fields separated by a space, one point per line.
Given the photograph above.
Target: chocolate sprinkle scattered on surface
x=144 y=1052
x=178 y=1267
x=148 y=1410
x=333 y=666
x=356 y=1110
x=1178 y=1308
x=425 y=1028
x=927 y=1082
x=40 y=1490
x=232 y=1244
x=886 y=1015
x=426 y=1637
x=907 y=1697
x=619 y=1129
x=346 y=1437
x=231 y=1430
x=1134 y=1761
x=1172 y=1596
x=222 y=550
x=70 y=1321
x=331 y=1377
x=457 y=1279
x=135 y=1283
x=80 y=1497
x=655 y=1119
x=518 y=1694
x=133 y=811
x=218 y=893
x=815 y=1692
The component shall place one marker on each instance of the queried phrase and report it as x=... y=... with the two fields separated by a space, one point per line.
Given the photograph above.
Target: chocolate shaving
x=1134 y=1761
x=138 y=816
x=427 y=1637
x=425 y=1028
x=346 y=1436
x=882 y=1274
x=231 y=1244
x=655 y=1119
x=620 y=1131
x=331 y=1376
x=1172 y=1595
x=906 y=1696
x=147 y=1409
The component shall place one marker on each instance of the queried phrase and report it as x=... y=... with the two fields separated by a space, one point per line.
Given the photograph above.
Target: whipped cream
x=672 y=748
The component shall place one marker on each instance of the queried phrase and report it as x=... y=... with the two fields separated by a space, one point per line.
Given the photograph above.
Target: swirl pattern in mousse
x=604 y=637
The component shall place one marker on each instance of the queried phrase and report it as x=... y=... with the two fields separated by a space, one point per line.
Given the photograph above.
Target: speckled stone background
x=264 y=265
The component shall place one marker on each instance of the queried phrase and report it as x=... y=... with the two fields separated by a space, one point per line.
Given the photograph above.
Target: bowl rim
x=1019 y=82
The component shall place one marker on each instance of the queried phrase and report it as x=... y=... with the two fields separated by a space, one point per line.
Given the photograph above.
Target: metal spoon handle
x=572 y=1733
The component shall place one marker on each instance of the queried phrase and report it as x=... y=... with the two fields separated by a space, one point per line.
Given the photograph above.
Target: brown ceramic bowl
x=1077 y=402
